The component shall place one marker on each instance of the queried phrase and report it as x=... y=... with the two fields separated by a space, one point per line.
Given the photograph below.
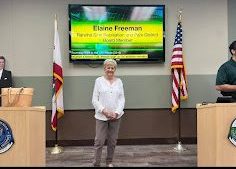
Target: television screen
x=126 y=33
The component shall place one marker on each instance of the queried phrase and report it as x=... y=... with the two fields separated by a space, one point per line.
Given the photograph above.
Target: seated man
x=226 y=76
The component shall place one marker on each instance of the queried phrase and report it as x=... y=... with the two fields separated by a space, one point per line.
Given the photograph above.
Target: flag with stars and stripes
x=179 y=81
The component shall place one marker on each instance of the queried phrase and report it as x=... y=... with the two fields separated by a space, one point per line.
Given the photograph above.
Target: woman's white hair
x=112 y=61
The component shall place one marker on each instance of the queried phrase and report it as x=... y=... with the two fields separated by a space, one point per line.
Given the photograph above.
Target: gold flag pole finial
x=55 y=22
x=180 y=14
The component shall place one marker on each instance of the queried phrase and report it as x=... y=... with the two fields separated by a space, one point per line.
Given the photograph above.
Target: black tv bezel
x=125 y=61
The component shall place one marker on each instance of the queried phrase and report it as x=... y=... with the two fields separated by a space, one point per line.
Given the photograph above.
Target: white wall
x=26 y=36
x=232 y=20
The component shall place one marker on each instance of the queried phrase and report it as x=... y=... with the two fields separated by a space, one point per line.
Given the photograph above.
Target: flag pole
x=179 y=147
x=56 y=149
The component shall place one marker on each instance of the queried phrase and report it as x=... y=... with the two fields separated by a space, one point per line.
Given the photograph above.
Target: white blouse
x=109 y=96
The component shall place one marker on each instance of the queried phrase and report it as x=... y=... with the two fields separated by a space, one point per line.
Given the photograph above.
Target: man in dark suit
x=6 y=77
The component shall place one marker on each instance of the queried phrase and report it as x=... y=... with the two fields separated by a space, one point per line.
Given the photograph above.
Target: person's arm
x=223 y=82
x=226 y=88
x=95 y=99
x=121 y=101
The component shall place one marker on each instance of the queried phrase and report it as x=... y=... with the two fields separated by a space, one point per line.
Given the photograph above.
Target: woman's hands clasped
x=109 y=114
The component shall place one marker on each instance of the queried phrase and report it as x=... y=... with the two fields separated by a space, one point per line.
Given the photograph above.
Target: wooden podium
x=213 y=125
x=28 y=129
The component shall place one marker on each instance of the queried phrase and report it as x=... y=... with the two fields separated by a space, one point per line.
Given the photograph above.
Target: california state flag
x=57 y=98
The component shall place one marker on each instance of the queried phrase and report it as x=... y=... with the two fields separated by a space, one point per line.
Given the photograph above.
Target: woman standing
x=108 y=100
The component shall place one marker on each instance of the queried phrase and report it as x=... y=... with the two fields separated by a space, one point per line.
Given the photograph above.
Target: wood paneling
x=137 y=124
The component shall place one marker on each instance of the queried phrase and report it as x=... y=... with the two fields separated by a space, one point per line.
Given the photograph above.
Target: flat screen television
x=126 y=33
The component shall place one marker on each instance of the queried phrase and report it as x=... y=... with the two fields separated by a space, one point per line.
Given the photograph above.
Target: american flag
x=179 y=83
x=57 y=98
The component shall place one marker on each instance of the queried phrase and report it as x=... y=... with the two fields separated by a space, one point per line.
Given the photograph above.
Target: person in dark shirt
x=226 y=75
x=5 y=76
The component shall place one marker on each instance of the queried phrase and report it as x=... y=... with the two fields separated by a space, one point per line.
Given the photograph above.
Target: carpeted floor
x=127 y=156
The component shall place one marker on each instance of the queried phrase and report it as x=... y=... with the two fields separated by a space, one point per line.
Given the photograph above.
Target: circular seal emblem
x=232 y=133
x=6 y=137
